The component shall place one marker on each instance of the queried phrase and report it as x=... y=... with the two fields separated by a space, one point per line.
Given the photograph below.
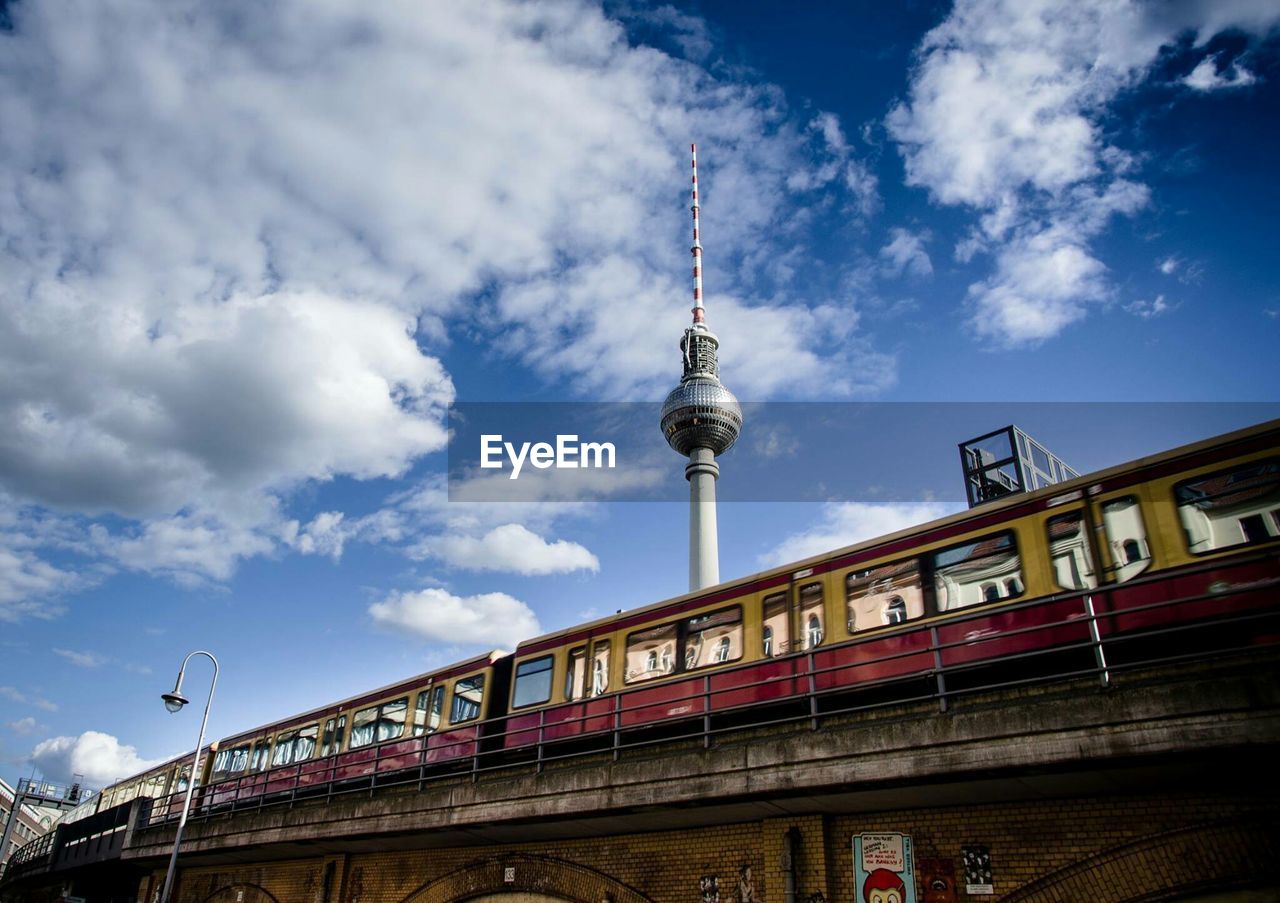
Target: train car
x=1147 y=561
x=430 y=721
x=164 y=784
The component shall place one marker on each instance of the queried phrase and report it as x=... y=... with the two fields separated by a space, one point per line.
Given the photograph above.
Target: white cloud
x=1148 y=309
x=905 y=253
x=241 y=234
x=487 y=619
x=22 y=725
x=845 y=523
x=510 y=547
x=1169 y=265
x=82 y=659
x=13 y=694
x=1206 y=77
x=99 y=757
x=1003 y=116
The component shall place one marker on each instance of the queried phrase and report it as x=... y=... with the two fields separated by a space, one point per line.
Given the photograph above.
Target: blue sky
x=250 y=256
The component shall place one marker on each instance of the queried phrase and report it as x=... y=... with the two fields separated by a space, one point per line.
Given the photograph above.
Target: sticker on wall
x=882 y=868
x=709 y=887
x=977 y=870
x=938 y=880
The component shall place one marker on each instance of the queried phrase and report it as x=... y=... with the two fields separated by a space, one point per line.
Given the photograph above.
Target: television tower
x=701 y=419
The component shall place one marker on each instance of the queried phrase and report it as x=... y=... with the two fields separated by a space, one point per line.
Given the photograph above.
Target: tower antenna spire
x=699 y=316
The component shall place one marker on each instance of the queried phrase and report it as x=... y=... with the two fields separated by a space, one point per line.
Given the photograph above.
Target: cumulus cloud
x=100 y=758
x=487 y=619
x=845 y=523
x=241 y=235
x=513 y=548
x=1003 y=116
x=1207 y=77
x=905 y=253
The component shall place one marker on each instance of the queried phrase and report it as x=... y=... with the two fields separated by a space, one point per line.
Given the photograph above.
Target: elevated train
x=1171 y=557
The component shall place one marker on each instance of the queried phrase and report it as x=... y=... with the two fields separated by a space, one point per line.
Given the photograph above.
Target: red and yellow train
x=1170 y=557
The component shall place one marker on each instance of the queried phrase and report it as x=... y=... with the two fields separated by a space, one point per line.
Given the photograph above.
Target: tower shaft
x=704 y=540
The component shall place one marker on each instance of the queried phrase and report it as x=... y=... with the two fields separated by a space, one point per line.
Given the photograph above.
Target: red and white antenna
x=699 y=317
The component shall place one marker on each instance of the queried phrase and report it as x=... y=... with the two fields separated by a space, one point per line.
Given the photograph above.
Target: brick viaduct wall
x=1076 y=850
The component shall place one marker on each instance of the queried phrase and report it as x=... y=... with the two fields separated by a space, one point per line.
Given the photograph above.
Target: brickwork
x=1101 y=850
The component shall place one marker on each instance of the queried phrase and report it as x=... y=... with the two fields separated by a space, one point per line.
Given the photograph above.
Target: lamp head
x=174 y=701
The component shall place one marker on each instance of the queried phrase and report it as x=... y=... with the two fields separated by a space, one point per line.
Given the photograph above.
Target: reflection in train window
x=261 y=755
x=885 y=594
x=533 y=681
x=420 y=706
x=650 y=653
x=378 y=723
x=575 y=679
x=331 y=740
x=811 y=615
x=468 y=693
x=713 y=638
x=973 y=572
x=1231 y=507
x=777 y=635
x=295 y=746
x=230 y=761
x=600 y=667
x=1127 y=537
x=1069 y=551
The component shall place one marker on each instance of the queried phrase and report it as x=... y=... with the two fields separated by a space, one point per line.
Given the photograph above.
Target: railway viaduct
x=1152 y=787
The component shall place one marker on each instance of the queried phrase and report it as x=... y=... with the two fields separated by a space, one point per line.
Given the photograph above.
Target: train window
x=533 y=681
x=886 y=594
x=650 y=653
x=1127 y=536
x=811 y=615
x=379 y=722
x=261 y=755
x=713 y=638
x=1231 y=507
x=600 y=667
x=777 y=634
x=436 y=714
x=420 y=706
x=230 y=761
x=1069 y=551
x=575 y=678
x=184 y=781
x=982 y=570
x=295 y=746
x=468 y=694
x=332 y=740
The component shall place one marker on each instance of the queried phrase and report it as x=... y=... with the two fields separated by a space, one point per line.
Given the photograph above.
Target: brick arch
x=252 y=894
x=1222 y=856
x=534 y=876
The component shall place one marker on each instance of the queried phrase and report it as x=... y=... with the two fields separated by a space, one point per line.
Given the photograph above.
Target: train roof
x=1107 y=478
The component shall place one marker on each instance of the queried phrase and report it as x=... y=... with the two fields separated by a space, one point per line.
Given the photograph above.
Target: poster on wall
x=977 y=870
x=882 y=868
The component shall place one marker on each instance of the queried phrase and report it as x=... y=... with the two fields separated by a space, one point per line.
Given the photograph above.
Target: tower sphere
x=701 y=413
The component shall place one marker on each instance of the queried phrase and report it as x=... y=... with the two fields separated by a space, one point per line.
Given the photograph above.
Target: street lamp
x=174 y=702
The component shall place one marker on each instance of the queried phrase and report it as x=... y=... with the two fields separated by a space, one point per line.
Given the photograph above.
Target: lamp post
x=174 y=702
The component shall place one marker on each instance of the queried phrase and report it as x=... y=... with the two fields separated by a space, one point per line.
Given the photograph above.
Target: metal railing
x=823 y=684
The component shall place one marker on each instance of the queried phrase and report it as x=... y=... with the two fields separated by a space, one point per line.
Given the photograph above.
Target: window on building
x=533 y=681
x=895 y=610
x=722 y=649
